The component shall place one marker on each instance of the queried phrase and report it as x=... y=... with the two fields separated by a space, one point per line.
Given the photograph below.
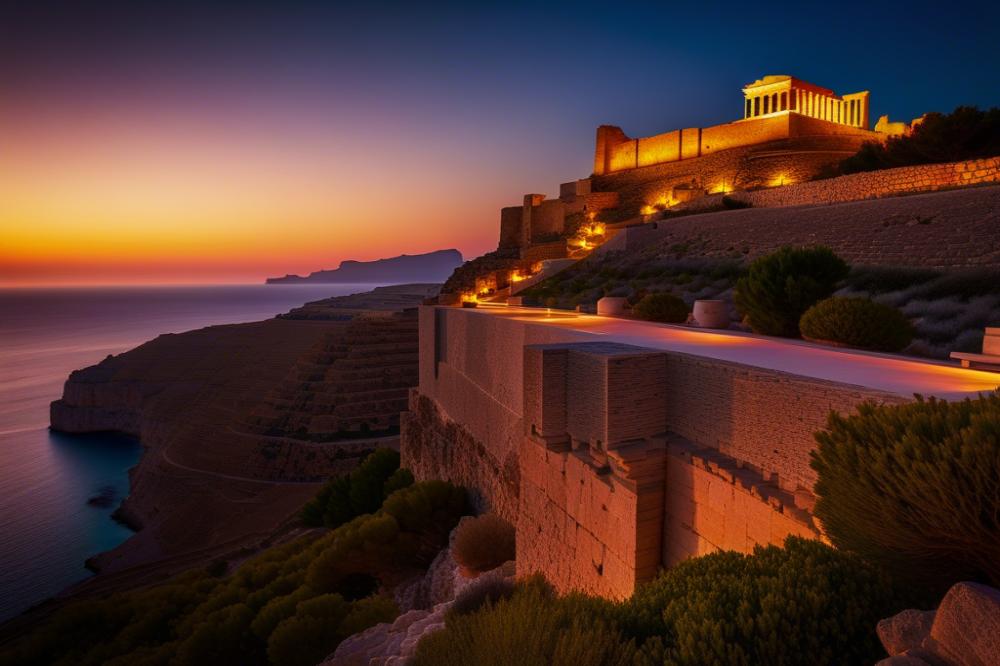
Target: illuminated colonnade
x=778 y=94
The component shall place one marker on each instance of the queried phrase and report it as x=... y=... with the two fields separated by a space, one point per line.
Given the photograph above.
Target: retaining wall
x=875 y=184
x=613 y=460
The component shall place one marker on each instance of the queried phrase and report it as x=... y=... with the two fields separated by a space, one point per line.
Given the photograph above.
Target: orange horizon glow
x=178 y=199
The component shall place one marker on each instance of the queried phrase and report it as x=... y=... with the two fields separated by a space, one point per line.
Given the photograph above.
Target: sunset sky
x=201 y=143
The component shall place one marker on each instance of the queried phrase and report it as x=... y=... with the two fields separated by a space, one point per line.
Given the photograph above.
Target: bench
x=989 y=359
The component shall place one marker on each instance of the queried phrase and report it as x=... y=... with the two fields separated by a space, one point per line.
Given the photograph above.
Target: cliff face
x=240 y=425
x=429 y=267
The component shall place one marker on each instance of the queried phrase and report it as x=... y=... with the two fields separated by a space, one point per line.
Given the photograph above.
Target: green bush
x=914 y=488
x=778 y=288
x=531 y=627
x=360 y=492
x=661 y=307
x=857 y=322
x=483 y=543
x=805 y=604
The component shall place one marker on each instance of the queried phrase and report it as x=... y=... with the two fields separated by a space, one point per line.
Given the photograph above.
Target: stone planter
x=611 y=306
x=711 y=314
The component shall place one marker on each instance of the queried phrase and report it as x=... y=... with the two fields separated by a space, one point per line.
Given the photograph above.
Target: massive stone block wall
x=755 y=166
x=616 y=152
x=613 y=460
x=875 y=184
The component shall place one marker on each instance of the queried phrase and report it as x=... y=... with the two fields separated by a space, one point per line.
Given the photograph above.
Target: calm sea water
x=47 y=526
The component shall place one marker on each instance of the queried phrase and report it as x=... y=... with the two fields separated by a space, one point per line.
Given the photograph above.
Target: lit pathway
x=895 y=374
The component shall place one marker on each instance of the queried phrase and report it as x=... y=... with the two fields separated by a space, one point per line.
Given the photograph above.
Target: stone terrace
x=941 y=230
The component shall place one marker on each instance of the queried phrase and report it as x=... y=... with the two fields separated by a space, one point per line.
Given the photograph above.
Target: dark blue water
x=47 y=527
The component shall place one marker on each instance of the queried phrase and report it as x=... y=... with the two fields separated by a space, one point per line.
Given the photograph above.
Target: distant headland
x=430 y=267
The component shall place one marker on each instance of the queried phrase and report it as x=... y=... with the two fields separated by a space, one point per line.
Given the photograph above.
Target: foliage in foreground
x=915 y=488
x=361 y=491
x=857 y=322
x=781 y=286
x=805 y=603
x=964 y=134
x=662 y=307
x=483 y=543
x=290 y=606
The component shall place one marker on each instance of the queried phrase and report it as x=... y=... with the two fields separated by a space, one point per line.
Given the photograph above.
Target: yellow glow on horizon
x=133 y=201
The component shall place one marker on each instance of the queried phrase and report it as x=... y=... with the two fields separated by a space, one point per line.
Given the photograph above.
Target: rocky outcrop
x=429 y=267
x=231 y=421
x=425 y=605
x=963 y=631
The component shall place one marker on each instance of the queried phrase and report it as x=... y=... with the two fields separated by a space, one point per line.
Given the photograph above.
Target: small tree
x=915 y=488
x=483 y=543
x=781 y=286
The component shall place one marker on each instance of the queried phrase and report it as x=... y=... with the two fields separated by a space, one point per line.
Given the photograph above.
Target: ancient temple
x=781 y=93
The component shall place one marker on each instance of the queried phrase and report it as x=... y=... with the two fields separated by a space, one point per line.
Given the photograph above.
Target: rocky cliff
x=429 y=267
x=241 y=423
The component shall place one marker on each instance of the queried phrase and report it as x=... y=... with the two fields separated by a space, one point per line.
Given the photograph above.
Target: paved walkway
x=895 y=374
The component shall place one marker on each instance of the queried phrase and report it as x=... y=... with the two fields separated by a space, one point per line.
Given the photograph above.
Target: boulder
x=905 y=630
x=966 y=628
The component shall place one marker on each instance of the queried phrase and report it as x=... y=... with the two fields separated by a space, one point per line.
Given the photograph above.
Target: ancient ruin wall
x=616 y=152
x=875 y=184
x=606 y=481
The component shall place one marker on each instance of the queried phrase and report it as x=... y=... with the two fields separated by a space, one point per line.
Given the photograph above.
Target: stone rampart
x=613 y=460
x=875 y=184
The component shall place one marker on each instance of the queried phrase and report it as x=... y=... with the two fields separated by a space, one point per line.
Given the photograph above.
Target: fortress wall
x=543 y=251
x=875 y=184
x=660 y=148
x=547 y=218
x=791 y=160
x=510 y=226
x=611 y=462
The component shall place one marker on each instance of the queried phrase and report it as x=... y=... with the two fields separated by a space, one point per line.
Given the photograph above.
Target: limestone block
x=905 y=630
x=966 y=627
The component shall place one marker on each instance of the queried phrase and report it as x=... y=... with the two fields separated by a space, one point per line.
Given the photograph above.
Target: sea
x=57 y=491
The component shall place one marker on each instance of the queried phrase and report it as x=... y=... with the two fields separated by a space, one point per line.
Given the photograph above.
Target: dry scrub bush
x=915 y=488
x=483 y=543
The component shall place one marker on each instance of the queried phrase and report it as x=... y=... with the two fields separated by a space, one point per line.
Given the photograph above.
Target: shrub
x=487 y=590
x=778 y=288
x=362 y=491
x=914 y=488
x=857 y=322
x=662 y=307
x=483 y=543
x=532 y=627
x=805 y=603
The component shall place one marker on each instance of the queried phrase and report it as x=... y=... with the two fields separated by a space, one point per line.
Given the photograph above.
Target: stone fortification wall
x=875 y=184
x=613 y=460
x=616 y=152
x=942 y=230
x=789 y=160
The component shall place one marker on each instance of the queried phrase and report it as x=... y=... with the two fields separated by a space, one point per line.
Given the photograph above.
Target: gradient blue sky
x=370 y=129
